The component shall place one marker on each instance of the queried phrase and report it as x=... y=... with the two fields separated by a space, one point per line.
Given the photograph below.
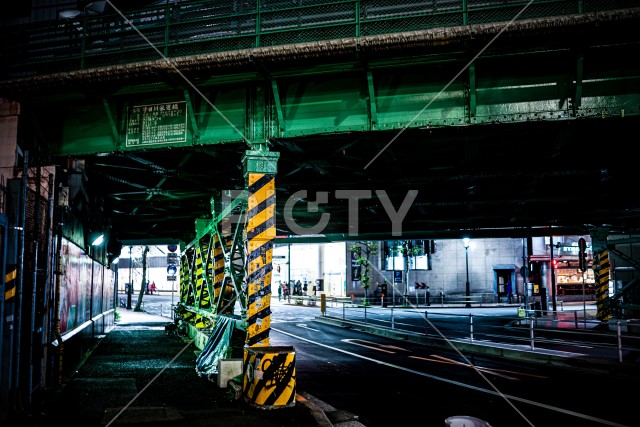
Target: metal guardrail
x=196 y=27
x=394 y=318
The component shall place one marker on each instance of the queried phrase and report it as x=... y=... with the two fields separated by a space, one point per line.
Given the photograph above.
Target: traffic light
x=582 y=254
x=555 y=263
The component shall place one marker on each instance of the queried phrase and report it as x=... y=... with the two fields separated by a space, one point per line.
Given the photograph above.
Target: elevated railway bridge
x=225 y=126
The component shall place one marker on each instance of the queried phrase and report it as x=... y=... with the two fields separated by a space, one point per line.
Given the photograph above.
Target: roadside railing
x=420 y=300
x=578 y=329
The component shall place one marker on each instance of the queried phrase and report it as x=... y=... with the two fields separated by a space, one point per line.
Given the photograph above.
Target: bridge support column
x=269 y=372
x=259 y=170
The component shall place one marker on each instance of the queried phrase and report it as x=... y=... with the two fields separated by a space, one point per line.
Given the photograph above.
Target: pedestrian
x=152 y=288
x=279 y=291
x=427 y=295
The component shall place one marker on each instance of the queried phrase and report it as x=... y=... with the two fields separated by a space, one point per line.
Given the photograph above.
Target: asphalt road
x=389 y=382
x=386 y=382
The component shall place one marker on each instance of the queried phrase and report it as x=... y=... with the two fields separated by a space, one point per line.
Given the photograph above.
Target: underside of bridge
x=373 y=120
x=502 y=130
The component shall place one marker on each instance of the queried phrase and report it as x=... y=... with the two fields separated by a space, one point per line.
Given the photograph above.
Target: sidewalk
x=138 y=375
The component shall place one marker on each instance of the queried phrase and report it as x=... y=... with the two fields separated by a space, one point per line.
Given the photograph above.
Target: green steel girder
x=375 y=100
x=278 y=107
x=200 y=266
x=374 y=83
x=114 y=129
x=54 y=48
x=373 y=111
x=192 y=117
x=629 y=260
x=472 y=91
x=235 y=260
x=319 y=103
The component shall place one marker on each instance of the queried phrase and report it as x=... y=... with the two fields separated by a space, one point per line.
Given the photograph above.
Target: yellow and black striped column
x=269 y=372
x=260 y=167
x=260 y=233
x=602 y=272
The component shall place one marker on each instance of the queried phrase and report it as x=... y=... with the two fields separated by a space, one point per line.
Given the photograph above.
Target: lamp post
x=465 y=242
x=130 y=290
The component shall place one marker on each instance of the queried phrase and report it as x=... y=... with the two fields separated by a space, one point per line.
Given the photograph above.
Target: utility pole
x=130 y=287
x=553 y=277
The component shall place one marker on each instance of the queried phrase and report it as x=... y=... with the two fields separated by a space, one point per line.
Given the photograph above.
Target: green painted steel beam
x=577 y=96
x=206 y=226
x=192 y=117
x=329 y=96
x=260 y=161
x=278 y=106
x=472 y=91
x=114 y=128
x=373 y=111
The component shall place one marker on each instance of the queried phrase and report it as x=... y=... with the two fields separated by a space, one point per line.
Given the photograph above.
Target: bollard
x=619 y=341
x=426 y=321
x=531 y=332
x=269 y=377
x=393 y=326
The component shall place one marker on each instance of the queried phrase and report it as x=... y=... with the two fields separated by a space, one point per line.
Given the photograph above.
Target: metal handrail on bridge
x=195 y=27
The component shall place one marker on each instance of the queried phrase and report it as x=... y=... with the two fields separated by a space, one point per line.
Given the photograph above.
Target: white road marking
x=458 y=383
x=304 y=325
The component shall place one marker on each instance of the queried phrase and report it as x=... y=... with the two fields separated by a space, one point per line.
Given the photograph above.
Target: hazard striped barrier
x=10 y=284
x=602 y=270
x=270 y=376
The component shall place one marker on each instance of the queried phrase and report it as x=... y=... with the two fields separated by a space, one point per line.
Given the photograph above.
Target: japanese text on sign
x=157 y=124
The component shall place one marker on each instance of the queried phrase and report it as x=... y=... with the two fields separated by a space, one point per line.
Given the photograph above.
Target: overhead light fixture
x=98 y=240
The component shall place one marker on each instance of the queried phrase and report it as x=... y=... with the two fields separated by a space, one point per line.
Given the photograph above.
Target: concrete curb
x=315 y=409
x=326 y=415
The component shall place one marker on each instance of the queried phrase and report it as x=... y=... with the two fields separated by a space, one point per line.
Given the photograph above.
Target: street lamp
x=130 y=290
x=465 y=242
